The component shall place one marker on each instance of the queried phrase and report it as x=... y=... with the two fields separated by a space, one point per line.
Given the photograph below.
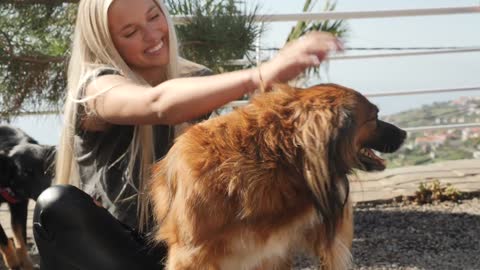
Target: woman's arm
x=183 y=99
x=172 y=102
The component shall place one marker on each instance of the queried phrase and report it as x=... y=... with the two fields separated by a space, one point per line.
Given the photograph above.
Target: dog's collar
x=10 y=196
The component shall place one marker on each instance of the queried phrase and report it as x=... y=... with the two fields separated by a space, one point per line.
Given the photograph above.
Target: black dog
x=26 y=169
x=12 y=136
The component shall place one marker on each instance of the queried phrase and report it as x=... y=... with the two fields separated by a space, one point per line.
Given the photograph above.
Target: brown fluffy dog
x=248 y=189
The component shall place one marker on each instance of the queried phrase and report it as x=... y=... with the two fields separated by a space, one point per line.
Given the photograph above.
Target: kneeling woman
x=127 y=88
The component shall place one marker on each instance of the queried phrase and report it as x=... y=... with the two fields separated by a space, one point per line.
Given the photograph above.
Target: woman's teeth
x=156 y=48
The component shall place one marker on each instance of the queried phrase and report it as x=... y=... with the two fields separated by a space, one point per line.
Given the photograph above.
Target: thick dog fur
x=25 y=171
x=248 y=189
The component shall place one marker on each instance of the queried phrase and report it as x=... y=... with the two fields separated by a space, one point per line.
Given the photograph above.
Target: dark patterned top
x=103 y=159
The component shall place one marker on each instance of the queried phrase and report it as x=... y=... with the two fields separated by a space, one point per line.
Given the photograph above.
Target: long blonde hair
x=93 y=48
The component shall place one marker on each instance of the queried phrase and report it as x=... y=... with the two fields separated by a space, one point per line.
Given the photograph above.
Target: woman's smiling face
x=139 y=32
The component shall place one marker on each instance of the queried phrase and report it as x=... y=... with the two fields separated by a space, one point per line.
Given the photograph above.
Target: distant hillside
x=462 y=110
x=432 y=146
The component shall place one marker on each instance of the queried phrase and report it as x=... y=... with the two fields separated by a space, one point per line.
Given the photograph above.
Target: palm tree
x=216 y=31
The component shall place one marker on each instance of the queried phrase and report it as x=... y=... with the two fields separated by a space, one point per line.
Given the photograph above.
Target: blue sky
x=372 y=75
x=398 y=73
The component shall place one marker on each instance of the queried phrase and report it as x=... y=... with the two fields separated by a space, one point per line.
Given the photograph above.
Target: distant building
x=464 y=100
x=431 y=140
x=460 y=101
x=470 y=133
x=473 y=109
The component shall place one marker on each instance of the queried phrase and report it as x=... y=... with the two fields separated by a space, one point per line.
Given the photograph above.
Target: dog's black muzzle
x=388 y=138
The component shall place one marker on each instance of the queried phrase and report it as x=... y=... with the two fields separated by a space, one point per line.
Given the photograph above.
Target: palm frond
x=337 y=28
x=216 y=32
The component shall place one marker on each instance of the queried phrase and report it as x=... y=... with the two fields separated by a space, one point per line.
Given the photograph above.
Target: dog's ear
x=8 y=170
x=324 y=137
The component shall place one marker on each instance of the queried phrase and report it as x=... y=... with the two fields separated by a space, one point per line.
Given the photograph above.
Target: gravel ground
x=444 y=236
x=392 y=236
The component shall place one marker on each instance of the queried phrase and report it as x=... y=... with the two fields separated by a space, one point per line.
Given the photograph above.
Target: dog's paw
x=24 y=258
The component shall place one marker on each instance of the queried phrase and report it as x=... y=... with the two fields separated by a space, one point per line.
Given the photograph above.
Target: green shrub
x=435 y=192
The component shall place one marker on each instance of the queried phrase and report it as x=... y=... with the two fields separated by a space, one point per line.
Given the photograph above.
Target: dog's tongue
x=372 y=155
x=368 y=156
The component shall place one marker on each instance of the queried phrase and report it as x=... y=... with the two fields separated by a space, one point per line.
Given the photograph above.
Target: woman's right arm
x=172 y=102
x=183 y=99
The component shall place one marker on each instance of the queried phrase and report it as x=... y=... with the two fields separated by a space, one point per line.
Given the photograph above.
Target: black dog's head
x=11 y=136
x=30 y=169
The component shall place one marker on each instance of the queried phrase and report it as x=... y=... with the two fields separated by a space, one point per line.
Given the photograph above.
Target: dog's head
x=334 y=130
x=27 y=169
x=330 y=123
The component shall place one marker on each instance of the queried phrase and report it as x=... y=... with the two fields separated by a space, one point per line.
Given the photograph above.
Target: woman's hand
x=298 y=55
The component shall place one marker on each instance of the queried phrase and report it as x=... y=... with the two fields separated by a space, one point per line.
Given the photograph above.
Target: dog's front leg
x=338 y=255
x=275 y=264
x=19 y=213
x=7 y=247
x=189 y=258
x=335 y=256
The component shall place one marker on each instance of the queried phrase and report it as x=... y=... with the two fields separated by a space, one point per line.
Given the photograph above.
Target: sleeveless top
x=103 y=158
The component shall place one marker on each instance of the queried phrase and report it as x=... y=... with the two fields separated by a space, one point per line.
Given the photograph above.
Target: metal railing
x=336 y=15
x=343 y=15
x=243 y=62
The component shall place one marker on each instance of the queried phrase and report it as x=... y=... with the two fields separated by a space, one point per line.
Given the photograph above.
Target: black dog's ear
x=8 y=170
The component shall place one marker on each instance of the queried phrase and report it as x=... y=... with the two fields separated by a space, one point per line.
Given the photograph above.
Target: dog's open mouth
x=370 y=161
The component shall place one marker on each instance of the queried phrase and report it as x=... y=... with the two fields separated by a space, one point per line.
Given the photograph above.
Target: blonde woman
x=127 y=87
